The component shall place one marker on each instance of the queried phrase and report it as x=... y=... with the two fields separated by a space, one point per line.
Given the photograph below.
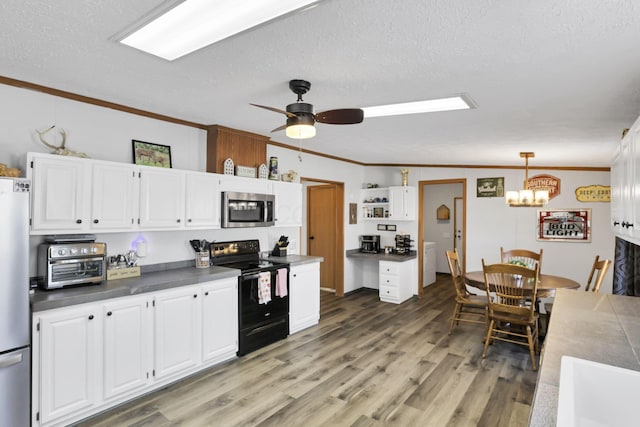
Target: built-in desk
x=597 y=327
x=397 y=275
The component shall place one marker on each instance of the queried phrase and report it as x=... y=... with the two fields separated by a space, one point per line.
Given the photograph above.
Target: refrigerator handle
x=10 y=360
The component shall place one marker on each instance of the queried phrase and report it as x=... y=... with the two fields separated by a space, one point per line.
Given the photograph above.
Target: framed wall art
x=567 y=225
x=490 y=187
x=149 y=154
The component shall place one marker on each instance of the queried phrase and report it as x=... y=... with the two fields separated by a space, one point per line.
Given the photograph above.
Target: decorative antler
x=53 y=147
x=61 y=150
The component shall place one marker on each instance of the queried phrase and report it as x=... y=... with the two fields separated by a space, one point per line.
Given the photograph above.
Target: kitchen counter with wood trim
x=597 y=327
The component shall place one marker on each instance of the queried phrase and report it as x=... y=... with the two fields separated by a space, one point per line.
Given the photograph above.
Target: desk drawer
x=387 y=280
x=389 y=267
x=389 y=292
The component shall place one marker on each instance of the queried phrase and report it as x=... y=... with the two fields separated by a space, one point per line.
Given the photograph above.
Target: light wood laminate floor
x=366 y=364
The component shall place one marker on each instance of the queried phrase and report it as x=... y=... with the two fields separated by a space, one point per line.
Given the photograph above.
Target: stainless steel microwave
x=247 y=209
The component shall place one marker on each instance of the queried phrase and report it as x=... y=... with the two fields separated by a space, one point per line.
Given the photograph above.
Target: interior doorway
x=453 y=194
x=325 y=231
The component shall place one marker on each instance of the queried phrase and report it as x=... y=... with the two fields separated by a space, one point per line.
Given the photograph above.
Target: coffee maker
x=370 y=244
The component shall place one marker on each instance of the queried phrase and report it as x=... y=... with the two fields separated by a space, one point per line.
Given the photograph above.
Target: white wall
x=440 y=231
x=106 y=134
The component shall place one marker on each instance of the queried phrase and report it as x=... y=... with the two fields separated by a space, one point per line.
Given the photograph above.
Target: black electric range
x=260 y=322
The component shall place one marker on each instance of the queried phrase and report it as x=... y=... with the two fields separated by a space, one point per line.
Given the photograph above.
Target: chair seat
x=475 y=300
x=513 y=318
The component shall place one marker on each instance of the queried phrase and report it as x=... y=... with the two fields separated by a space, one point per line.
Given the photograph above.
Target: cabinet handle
x=78 y=221
x=109 y=313
x=189 y=220
x=95 y=221
x=206 y=294
x=178 y=220
x=91 y=317
x=616 y=223
x=295 y=275
x=195 y=295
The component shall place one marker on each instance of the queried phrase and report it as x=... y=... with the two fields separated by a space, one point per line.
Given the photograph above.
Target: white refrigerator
x=15 y=362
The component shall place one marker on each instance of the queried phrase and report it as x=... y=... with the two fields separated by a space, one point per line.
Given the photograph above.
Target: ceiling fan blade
x=277 y=110
x=344 y=116
x=283 y=127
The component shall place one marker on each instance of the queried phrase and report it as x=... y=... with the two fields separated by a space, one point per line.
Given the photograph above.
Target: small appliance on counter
x=280 y=249
x=370 y=244
x=67 y=260
x=403 y=244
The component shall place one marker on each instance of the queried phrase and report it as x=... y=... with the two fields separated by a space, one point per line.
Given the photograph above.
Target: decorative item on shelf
x=149 y=154
x=60 y=149
x=527 y=197
x=246 y=171
x=370 y=185
x=442 y=213
x=405 y=176
x=5 y=171
x=263 y=171
x=290 y=176
x=273 y=168
x=229 y=167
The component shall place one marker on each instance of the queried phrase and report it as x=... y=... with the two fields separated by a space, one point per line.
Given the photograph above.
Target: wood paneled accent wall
x=244 y=148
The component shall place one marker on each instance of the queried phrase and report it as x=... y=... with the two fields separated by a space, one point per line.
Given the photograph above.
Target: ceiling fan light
x=301 y=131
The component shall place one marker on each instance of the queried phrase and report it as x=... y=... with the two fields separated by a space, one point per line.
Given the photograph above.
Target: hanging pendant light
x=527 y=197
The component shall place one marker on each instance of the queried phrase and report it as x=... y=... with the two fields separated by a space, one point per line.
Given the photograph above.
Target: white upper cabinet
x=625 y=186
x=402 y=203
x=58 y=193
x=288 y=204
x=112 y=196
x=202 y=200
x=161 y=198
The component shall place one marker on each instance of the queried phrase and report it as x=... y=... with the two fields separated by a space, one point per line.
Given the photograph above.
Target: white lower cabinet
x=304 y=296
x=219 y=320
x=127 y=361
x=397 y=280
x=90 y=357
x=69 y=370
x=176 y=331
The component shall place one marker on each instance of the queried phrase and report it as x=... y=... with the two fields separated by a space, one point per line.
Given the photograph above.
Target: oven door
x=260 y=324
x=75 y=271
x=247 y=210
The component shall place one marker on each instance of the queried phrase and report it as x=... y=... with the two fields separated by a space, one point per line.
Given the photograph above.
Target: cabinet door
x=304 y=298
x=127 y=345
x=176 y=331
x=112 y=196
x=402 y=203
x=202 y=200
x=288 y=204
x=58 y=186
x=69 y=354
x=244 y=185
x=219 y=319
x=161 y=198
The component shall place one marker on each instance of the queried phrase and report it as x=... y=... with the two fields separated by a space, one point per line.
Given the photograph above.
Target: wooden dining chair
x=469 y=307
x=529 y=258
x=596 y=277
x=512 y=285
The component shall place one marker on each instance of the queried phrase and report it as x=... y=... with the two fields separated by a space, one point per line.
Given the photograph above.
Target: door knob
x=311 y=237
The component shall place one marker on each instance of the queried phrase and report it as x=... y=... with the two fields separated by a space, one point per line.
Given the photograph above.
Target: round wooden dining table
x=547 y=284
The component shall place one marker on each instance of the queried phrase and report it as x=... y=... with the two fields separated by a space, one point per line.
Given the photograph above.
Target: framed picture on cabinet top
x=149 y=154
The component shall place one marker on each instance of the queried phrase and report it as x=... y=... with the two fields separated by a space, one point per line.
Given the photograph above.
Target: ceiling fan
x=301 y=118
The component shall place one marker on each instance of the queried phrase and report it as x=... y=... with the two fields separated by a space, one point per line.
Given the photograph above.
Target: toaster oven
x=71 y=263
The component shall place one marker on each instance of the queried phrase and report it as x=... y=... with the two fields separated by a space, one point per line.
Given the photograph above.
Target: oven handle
x=250 y=276
x=75 y=260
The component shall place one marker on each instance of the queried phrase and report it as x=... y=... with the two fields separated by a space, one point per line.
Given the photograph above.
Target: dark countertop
x=355 y=253
x=598 y=327
x=294 y=260
x=153 y=278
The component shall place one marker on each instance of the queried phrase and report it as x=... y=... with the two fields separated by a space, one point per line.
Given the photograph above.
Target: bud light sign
x=564 y=225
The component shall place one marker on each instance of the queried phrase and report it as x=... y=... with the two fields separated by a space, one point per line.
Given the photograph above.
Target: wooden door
x=322 y=228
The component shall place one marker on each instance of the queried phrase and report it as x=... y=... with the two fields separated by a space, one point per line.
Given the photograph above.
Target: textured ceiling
x=561 y=78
